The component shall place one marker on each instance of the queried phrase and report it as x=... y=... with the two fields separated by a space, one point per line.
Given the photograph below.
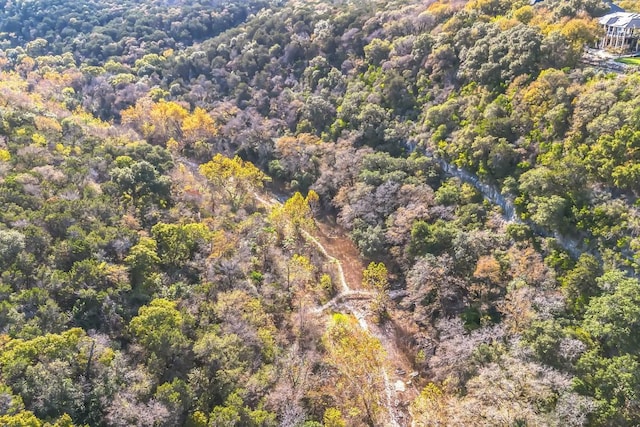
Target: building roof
x=614 y=8
x=621 y=20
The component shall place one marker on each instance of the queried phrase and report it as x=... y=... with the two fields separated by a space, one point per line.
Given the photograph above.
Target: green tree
x=141 y=181
x=160 y=329
x=614 y=383
x=177 y=243
x=12 y=242
x=377 y=51
x=431 y=238
x=143 y=261
x=549 y=212
x=614 y=318
x=579 y=284
x=45 y=372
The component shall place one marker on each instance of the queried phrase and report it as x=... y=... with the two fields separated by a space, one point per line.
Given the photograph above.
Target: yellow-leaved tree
x=235 y=178
x=295 y=215
x=199 y=126
x=359 y=361
x=376 y=278
x=158 y=122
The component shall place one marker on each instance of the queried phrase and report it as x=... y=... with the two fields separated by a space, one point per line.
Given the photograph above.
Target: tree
x=199 y=126
x=435 y=290
x=140 y=181
x=295 y=215
x=614 y=318
x=156 y=121
x=160 y=328
x=234 y=413
x=377 y=51
x=298 y=159
x=581 y=32
x=580 y=283
x=488 y=269
x=12 y=242
x=333 y=418
x=177 y=244
x=21 y=419
x=489 y=7
x=487 y=280
x=548 y=212
x=45 y=371
x=299 y=271
x=376 y=277
x=512 y=392
x=431 y=238
x=614 y=383
x=501 y=55
x=143 y=261
x=359 y=360
x=177 y=398
x=235 y=351
x=431 y=407
x=237 y=178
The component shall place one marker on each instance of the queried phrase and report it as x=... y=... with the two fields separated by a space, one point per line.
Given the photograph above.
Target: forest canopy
x=261 y=213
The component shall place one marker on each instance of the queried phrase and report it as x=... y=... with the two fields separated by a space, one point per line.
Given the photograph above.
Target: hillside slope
x=481 y=185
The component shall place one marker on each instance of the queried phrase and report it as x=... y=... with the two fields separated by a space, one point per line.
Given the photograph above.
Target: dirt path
x=338 y=249
x=332 y=237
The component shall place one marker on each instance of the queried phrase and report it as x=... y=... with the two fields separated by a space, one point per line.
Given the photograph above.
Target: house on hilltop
x=622 y=31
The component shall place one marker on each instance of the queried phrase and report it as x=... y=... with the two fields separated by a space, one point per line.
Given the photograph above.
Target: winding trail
x=344 y=302
x=348 y=300
x=354 y=301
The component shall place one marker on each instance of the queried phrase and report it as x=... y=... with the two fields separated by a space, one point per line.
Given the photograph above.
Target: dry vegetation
x=144 y=282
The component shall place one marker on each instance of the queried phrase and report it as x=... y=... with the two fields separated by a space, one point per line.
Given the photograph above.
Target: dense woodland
x=144 y=281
